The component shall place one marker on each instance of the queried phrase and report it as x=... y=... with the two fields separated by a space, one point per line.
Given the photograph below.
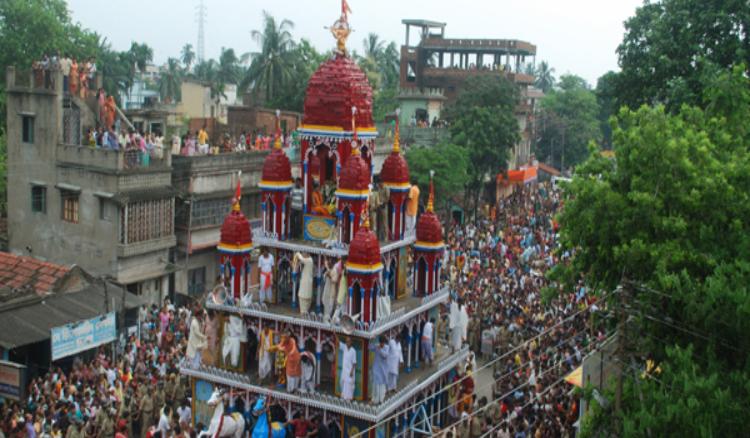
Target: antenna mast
x=201 y=17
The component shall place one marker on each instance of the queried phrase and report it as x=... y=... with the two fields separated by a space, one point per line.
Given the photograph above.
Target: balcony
x=131 y=160
x=132 y=249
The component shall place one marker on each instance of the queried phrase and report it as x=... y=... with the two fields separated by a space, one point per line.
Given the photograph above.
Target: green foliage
x=672 y=46
x=671 y=212
x=544 y=76
x=187 y=56
x=569 y=121
x=271 y=68
x=483 y=122
x=606 y=98
x=449 y=161
x=305 y=60
x=381 y=65
x=170 y=82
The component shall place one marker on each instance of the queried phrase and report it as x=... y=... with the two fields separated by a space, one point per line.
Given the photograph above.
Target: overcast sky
x=574 y=36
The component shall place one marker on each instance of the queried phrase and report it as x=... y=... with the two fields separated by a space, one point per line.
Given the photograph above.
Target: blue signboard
x=83 y=335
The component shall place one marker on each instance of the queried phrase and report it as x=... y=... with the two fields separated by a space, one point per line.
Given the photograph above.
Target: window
x=146 y=220
x=69 y=206
x=197 y=281
x=209 y=212
x=105 y=210
x=39 y=199
x=27 y=129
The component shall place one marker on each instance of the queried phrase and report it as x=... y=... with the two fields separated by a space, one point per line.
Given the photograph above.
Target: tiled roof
x=27 y=272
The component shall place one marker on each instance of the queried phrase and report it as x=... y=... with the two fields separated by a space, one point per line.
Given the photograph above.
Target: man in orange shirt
x=293 y=362
x=412 y=206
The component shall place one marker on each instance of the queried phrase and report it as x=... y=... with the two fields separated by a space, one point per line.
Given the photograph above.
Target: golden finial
x=341 y=29
x=237 y=193
x=277 y=143
x=396 y=136
x=431 y=199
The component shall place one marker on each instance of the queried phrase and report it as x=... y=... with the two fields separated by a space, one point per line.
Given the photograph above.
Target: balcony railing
x=112 y=159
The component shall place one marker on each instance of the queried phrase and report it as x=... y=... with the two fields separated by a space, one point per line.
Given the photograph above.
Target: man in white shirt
x=395 y=358
x=265 y=264
x=427 y=335
x=348 y=364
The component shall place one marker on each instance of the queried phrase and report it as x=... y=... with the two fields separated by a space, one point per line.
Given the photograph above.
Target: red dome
x=235 y=230
x=429 y=229
x=395 y=171
x=364 y=250
x=355 y=174
x=276 y=167
x=337 y=86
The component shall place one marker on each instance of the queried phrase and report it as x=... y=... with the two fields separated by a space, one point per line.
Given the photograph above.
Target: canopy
x=575 y=377
x=524 y=175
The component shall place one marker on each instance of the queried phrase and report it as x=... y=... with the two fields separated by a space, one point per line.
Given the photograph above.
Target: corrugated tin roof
x=31 y=322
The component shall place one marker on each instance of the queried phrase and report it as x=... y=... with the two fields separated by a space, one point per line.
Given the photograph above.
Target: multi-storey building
x=105 y=210
x=434 y=69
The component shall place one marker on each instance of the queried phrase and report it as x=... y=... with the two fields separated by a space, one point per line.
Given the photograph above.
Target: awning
x=524 y=175
x=575 y=377
x=27 y=323
x=68 y=187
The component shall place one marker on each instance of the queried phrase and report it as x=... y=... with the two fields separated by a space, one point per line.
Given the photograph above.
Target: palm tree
x=228 y=66
x=374 y=46
x=170 y=82
x=187 y=56
x=272 y=66
x=208 y=73
x=545 y=78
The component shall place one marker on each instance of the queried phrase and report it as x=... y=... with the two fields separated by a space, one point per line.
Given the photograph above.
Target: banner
x=84 y=335
x=12 y=380
x=202 y=412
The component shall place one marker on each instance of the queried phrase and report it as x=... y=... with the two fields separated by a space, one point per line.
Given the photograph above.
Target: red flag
x=345 y=9
x=238 y=191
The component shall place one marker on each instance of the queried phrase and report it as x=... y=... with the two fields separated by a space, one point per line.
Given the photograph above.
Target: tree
x=672 y=47
x=305 y=60
x=208 y=72
x=669 y=214
x=545 y=77
x=270 y=67
x=187 y=56
x=607 y=100
x=170 y=82
x=568 y=122
x=449 y=161
x=229 y=70
x=381 y=64
x=483 y=122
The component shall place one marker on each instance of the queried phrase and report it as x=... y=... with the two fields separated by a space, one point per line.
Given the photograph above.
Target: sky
x=573 y=36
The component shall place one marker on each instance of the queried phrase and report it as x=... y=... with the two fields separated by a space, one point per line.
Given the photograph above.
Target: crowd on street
x=497 y=267
x=139 y=393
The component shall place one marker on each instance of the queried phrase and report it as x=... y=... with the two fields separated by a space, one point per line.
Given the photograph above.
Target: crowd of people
x=198 y=143
x=138 y=392
x=497 y=268
x=78 y=75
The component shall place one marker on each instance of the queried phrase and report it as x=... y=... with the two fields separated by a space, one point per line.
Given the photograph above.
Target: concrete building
x=96 y=208
x=197 y=101
x=205 y=186
x=434 y=69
